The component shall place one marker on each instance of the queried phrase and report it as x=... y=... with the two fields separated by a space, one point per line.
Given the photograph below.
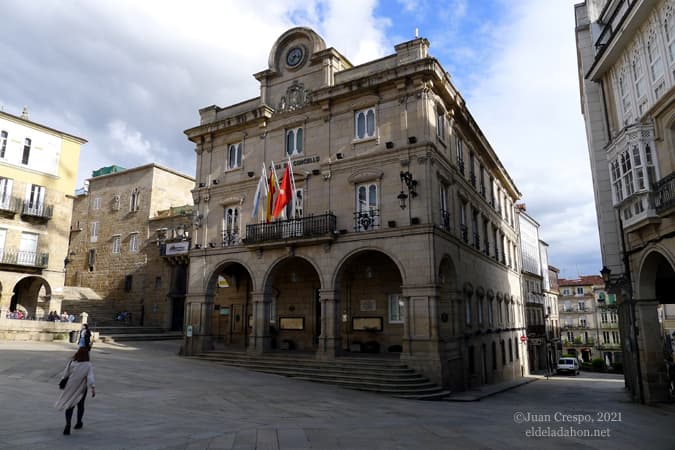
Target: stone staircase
x=385 y=376
x=128 y=333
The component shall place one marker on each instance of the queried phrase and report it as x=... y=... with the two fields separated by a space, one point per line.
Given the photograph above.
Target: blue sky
x=130 y=77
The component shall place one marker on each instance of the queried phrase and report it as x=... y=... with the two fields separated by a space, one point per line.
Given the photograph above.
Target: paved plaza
x=150 y=398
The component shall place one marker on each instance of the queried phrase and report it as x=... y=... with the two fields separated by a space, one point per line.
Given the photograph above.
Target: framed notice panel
x=367 y=323
x=291 y=323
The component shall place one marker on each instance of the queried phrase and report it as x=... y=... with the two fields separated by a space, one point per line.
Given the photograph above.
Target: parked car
x=566 y=365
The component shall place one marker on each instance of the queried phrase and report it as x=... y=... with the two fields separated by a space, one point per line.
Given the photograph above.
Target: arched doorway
x=295 y=315
x=372 y=307
x=231 y=315
x=31 y=296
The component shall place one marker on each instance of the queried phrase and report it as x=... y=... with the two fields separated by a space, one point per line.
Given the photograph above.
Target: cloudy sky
x=130 y=76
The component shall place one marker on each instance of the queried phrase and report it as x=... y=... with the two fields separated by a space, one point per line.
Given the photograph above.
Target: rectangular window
x=97 y=203
x=231 y=227
x=35 y=199
x=490 y=313
x=463 y=229
x=570 y=336
x=460 y=155
x=580 y=291
x=28 y=249
x=294 y=141
x=479 y=311
x=615 y=337
x=603 y=318
x=116 y=243
x=396 y=311
x=440 y=124
x=582 y=322
x=472 y=169
x=467 y=311
x=365 y=124
x=605 y=337
x=128 y=283
x=655 y=63
x=133 y=242
x=582 y=306
x=625 y=99
x=501 y=347
x=115 y=204
x=93 y=232
x=26 y=151
x=91 y=259
x=445 y=212
x=234 y=156
x=134 y=200
x=6 y=193
x=639 y=79
x=3 y=143
x=367 y=207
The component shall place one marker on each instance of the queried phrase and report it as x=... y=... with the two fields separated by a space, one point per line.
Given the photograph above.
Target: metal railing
x=37 y=210
x=367 y=219
x=476 y=240
x=23 y=258
x=464 y=232
x=231 y=238
x=10 y=204
x=664 y=193
x=305 y=227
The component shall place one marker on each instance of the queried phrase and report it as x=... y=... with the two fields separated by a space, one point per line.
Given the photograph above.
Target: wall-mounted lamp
x=411 y=184
x=369 y=272
x=402 y=197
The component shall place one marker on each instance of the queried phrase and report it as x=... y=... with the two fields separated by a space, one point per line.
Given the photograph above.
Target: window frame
x=134 y=242
x=134 y=200
x=25 y=157
x=372 y=210
x=395 y=315
x=366 y=113
x=93 y=231
x=234 y=163
x=4 y=136
x=298 y=136
x=116 y=244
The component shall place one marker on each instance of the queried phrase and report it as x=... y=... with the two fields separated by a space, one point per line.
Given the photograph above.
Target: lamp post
x=411 y=184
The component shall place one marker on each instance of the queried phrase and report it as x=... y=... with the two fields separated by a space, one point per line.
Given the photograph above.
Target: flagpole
x=293 y=193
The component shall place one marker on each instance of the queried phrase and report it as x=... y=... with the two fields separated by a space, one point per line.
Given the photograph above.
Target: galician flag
x=260 y=192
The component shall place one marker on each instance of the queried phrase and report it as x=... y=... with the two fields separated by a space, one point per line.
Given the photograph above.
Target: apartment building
x=38 y=168
x=626 y=60
x=577 y=308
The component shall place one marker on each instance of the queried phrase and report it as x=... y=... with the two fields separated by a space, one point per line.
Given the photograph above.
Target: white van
x=568 y=364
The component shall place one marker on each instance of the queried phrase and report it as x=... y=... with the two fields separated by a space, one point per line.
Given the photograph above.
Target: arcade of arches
x=30 y=297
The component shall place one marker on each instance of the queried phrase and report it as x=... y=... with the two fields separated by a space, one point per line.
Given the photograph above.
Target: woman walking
x=80 y=375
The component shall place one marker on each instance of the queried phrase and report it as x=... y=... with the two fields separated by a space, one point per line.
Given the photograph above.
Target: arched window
x=234 y=156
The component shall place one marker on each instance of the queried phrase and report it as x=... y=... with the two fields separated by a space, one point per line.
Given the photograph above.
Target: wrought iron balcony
x=476 y=240
x=305 y=227
x=23 y=258
x=496 y=252
x=367 y=219
x=231 y=238
x=445 y=220
x=664 y=193
x=10 y=205
x=39 y=210
x=464 y=232
x=460 y=166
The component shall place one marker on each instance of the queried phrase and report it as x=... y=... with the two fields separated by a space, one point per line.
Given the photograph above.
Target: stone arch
x=32 y=296
x=341 y=264
x=656 y=275
x=229 y=303
x=292 y=283
x=372 y=307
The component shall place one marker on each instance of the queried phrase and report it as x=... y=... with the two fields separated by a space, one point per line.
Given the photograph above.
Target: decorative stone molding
x=297 y=97
x=468 y=288
x=490 y=294
x=365 y=175
x=480 y=291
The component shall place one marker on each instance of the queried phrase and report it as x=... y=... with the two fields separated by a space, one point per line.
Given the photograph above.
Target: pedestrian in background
x=80 y=374
x=85 y=337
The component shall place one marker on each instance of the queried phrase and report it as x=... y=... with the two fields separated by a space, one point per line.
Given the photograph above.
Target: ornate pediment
x=297 y=97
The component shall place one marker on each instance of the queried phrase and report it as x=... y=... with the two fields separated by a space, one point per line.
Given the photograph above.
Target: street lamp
x=411 y=184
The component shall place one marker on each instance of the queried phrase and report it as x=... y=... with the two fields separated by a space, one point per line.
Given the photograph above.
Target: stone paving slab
x=150 y=398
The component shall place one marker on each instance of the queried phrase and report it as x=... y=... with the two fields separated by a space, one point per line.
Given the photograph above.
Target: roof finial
x=24 y=113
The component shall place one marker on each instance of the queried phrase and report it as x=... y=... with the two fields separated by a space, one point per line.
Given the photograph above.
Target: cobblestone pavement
x=150 y=398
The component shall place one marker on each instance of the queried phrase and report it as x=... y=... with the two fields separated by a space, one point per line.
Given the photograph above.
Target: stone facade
x=401 y=238
x=627 y=79
x=38 y=166
x=115 y=244
x=578 y=303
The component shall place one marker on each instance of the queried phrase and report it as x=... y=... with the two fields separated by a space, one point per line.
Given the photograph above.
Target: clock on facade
x=294 y=56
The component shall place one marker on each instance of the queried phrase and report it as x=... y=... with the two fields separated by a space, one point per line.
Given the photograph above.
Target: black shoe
x=78 y=425
x=66 y=430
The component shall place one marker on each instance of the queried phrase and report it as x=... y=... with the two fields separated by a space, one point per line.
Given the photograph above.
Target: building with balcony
x=130 y=236
x=577 y=309
x=38 y=166
x=541 y=306
x=399 y=239
x=626 y=60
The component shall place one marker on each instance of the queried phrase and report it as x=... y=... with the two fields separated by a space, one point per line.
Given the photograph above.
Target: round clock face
x=294 y=56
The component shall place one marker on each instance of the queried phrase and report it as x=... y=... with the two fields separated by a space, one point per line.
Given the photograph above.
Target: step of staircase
x=127 y=334
x=385 y=376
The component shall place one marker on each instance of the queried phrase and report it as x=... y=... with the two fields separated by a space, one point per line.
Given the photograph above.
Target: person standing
x=80 y=373
x=85 y=337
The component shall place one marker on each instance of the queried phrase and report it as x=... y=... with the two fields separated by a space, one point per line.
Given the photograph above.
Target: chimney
x=24 y=113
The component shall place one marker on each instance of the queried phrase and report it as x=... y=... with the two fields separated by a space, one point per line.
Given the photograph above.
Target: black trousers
x=80 y=410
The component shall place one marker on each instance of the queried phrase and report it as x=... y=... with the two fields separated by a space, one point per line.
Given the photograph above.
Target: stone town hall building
x=404 y=239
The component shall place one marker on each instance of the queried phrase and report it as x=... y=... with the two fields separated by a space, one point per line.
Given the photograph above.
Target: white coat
x=81 y=376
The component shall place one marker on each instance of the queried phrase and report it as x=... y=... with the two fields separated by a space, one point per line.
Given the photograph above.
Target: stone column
x=650 y=344
x=198 y=309
x=259 y=341
x=329 y=340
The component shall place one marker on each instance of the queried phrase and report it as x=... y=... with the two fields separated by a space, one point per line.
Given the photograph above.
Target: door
x=238 y=324
x=27 y=249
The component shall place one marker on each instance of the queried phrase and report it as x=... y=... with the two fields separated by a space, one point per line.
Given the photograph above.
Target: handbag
x=64 y=380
